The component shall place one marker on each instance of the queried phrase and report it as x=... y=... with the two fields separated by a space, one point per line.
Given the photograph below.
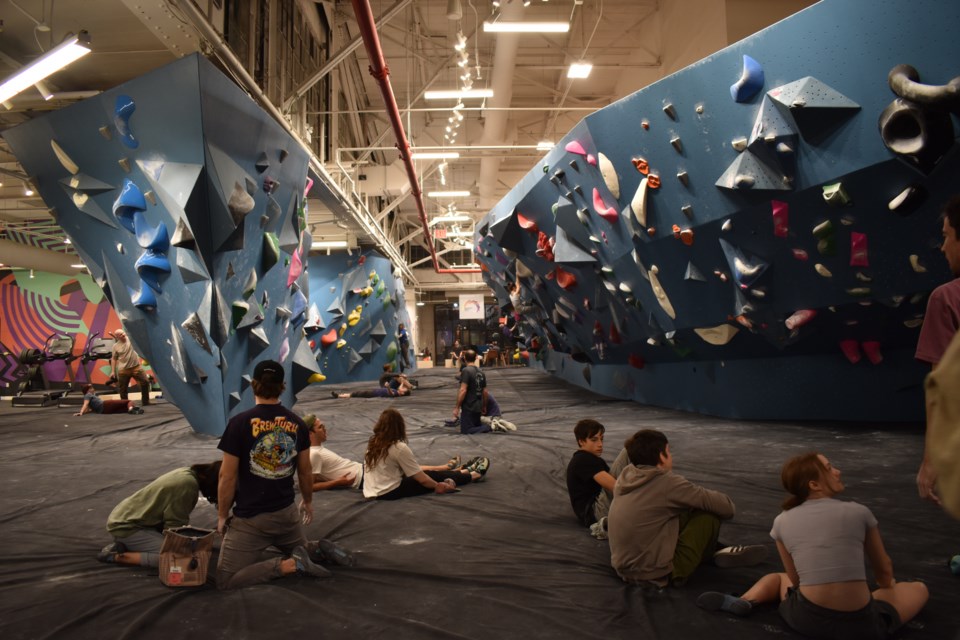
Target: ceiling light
x=444 y=219
x=526 y=27
x=454 y=10
x=435 y=155
x=328 y=244
x=57 y=58
x=544 y=145
x=67 y=241
x=79 y=266
x=459 y=234
x=579 y=70
x=448 y=194
x=27 y=190
x=31 y=273
x=457 y=93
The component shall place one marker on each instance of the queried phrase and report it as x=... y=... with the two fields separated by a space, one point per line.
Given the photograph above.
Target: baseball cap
x=268 y=372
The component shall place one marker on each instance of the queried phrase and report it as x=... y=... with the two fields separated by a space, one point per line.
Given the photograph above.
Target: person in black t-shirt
x=263 y=448
x=472 y=397
x=589 y=480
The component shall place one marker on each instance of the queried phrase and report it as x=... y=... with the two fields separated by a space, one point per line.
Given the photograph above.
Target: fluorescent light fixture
x=329 y=244
x=435 y=155
x=420 y=303
x=579 y=70
x=544 y=145
x=57 y=58
x=79 y=266
x=449 y=94
x=448 y=194
x=448 y=218
x=460 y=234
x=67 y=241
x=526 y=27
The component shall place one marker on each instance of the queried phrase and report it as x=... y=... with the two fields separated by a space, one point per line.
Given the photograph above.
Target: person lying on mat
x=379 y=392
x=331 y=471
x=822 y=542
x=661 y=526
x=137 y=523
x=391 y=471
x=394 y=380
x=92 y=403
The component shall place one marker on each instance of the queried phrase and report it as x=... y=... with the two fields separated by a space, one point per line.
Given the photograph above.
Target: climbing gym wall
x=186 y=202
x=756 y=235
x=355 y=306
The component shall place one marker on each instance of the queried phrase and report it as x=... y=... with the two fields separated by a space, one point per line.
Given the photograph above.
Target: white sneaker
x=599 y=529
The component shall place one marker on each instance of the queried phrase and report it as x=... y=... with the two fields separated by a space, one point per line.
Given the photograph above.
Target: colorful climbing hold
x=641 y=165
x=800 y=318
x=851 y=350
x=858 y=250
x=750 y=81
x=781 y=211
x=822 y=270
x=575 y=147
x=607 y=213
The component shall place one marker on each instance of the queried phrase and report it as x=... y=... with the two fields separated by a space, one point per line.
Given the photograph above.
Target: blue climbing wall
x=185 y=201
x=726 y=241
x=355 y=306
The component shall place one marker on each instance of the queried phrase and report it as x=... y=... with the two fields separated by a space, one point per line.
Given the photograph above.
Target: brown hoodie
x=644 y=520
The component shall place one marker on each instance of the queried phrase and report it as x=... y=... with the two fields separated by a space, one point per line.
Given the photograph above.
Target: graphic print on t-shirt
x=275 y=448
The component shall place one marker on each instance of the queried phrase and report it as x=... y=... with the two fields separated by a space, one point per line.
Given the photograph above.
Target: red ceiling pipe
x=380 y=71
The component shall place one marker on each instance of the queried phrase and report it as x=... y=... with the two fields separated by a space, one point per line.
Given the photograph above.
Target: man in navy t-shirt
x=262 y=450
x=471 y=397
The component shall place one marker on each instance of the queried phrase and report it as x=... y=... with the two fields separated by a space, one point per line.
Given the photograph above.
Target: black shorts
x=878 y=620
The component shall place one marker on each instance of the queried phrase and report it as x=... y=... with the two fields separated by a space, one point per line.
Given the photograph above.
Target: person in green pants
x=661 y=526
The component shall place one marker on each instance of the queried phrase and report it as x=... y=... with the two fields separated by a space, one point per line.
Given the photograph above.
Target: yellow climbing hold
x=316 y=377
x=354 y=316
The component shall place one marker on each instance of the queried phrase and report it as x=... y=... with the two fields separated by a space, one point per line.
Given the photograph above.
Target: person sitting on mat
x=331 y=471
x=390 y=470
x=589 y=481
x=137 y=523
x=661 y=526
x=92 y=403
x=389 y=378
x=822 y=542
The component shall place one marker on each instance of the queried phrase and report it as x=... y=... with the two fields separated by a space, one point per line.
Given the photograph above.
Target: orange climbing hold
x=653 y=181
x=641 y=165
x=328 y=338
x=565 y=279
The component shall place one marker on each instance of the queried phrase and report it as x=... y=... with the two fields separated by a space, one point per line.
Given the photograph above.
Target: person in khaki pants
x=126 y=364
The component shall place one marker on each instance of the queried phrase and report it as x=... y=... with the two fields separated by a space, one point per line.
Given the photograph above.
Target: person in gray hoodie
x=661 y=526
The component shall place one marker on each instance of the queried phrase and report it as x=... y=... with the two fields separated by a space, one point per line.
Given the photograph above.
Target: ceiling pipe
x=25 y=256
x=379 y=70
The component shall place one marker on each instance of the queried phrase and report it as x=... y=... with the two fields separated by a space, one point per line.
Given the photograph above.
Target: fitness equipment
x=96 y=349
x=34 y=389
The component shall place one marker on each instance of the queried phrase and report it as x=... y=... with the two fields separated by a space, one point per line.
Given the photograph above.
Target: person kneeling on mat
x=137 y=523
x=661 y=526
x=92 y=403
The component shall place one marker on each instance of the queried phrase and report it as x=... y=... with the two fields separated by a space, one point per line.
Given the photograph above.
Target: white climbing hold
x=609 y=174
x=727 y=225
x=739 y=144
x=718 y=335
x=660 y=294
x=822 y=270
x=639 y=203
x=915 y=264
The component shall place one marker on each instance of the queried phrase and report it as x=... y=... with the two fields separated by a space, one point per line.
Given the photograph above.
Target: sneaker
x=110 y=552
x=334 y=394
x=452 y=422
x=135 y=411
x=599 y=529
x=480 y=465
x=506 y=424
x=305 y=566
x=330 y=551
x=740 y=556
x=454 y=462
x=716 y=601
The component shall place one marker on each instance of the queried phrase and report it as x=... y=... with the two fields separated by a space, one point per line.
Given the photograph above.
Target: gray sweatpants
x=247 y=538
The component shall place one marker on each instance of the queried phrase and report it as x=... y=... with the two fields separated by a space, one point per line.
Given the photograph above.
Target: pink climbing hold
x=296 y=268
x=780 y=213
x=800 y=254
x=858 y=250
x=575 y=147
x=526 y=223
x=591 y=159
x=871 y=349
x=800 y=318
x=851 y=350
x=607 y=213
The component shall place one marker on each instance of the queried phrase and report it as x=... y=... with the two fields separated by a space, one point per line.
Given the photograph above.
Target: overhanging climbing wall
x=185 y=201
x=739 y=238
